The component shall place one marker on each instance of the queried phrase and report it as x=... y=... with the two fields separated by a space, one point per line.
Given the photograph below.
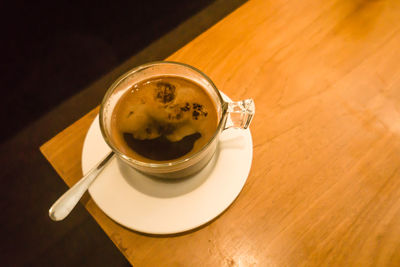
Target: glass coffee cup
x=229 y=115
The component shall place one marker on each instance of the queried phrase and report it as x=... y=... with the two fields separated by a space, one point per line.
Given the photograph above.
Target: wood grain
x=324 y=188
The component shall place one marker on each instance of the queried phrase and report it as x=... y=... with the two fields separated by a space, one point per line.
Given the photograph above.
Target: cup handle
x=240 y=114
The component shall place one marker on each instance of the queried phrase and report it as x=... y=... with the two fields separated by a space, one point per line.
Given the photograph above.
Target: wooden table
x=324 y=188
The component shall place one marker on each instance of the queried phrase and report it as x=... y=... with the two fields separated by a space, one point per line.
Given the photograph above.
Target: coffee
x=165 y=118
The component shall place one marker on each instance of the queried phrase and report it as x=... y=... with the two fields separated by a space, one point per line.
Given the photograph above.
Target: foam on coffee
x=163 y=119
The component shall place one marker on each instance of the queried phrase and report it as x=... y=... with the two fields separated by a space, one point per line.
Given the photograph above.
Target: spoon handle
x=63 y=206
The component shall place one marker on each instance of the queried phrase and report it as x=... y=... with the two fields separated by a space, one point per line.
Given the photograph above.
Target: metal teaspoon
x=64 y=205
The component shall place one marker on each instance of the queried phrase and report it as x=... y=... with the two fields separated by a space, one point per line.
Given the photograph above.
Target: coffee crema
x=164 y=118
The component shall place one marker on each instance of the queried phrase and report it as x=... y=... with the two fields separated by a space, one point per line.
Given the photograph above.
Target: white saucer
x=156 y=206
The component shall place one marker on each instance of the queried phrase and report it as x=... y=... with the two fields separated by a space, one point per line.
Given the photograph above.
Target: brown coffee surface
x=164 y=118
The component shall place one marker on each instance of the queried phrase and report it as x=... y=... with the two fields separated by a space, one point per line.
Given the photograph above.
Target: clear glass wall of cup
x=230 y=115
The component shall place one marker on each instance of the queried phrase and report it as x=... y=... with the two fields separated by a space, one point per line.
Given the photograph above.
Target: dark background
x=57 y=59
x=52 y=49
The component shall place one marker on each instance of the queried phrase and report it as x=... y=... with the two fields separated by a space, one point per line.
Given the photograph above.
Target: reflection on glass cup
x=228 y=115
